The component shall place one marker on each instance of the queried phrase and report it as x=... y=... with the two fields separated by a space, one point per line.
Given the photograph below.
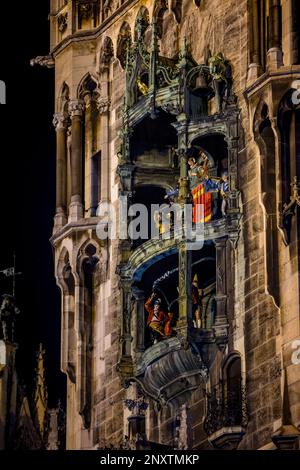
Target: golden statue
x=142 y=86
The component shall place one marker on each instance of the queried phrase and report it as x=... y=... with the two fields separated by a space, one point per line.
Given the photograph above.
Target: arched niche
x=265 y=139
x=63 y=98
x=142 y=23
x=215 y=147
x=106 y=53
x=168 y=31
x=232 y=389
x=153 y=137
x=89 y=91
x=87 y=266
x=289 y=126
x=123 y=43
x=160 y=274
x=147 y=196
x=159 y=10
x=66 y=281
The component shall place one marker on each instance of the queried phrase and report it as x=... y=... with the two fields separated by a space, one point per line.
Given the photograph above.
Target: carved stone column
x=60 y=122
x=233 y=143
x=76 y=108
x=88 y=150
x=255 y=33
x=103 y=104
x=295 y=32
x=233 y=212
x=140 y=321
x=221 y=323
x=185 y=286
x=125 y=365
x=275 y=59
x=184 y=254
x=255 y=68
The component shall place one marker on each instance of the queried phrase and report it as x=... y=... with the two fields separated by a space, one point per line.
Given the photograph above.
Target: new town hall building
x=179 y=101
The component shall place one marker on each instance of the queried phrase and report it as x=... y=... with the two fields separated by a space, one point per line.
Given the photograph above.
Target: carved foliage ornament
x=103 y=105
x=76 y=107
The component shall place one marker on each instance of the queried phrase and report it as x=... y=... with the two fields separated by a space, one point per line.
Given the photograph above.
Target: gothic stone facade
x=240 y=388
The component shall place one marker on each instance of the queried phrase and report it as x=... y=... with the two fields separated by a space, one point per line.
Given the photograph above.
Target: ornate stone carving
x=62 y=22
x=43 y=61
x=60 y=121
x=103 y=105
x=86 y=9
x=107 y=52
x=76 y=107
x=124 y=43
x=160 y=7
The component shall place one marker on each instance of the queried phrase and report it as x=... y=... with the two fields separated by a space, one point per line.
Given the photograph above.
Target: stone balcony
x=170 y=371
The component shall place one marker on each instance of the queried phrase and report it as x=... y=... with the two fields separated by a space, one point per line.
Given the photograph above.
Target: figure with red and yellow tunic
x=158 y=320
x=198 y=176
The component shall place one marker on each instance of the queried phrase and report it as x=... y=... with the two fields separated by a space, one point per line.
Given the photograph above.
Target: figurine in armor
x=220 y=70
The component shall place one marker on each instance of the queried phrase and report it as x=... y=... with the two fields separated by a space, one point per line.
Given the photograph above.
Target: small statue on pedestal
x=221 y=72
x=197 y=295
x=8 y=313
x=224 y=189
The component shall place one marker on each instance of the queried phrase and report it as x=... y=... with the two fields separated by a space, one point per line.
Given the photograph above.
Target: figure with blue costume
x=224 y=190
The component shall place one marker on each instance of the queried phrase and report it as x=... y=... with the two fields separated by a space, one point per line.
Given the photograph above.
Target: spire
x=40 y=393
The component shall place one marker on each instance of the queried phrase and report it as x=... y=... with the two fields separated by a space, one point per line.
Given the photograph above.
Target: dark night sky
x=27 y=187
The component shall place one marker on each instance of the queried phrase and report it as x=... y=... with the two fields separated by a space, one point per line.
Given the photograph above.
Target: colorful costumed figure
x=224 y=189
x=158 y=320
x=164 y=217
x=198 y=176
x=197 y=295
